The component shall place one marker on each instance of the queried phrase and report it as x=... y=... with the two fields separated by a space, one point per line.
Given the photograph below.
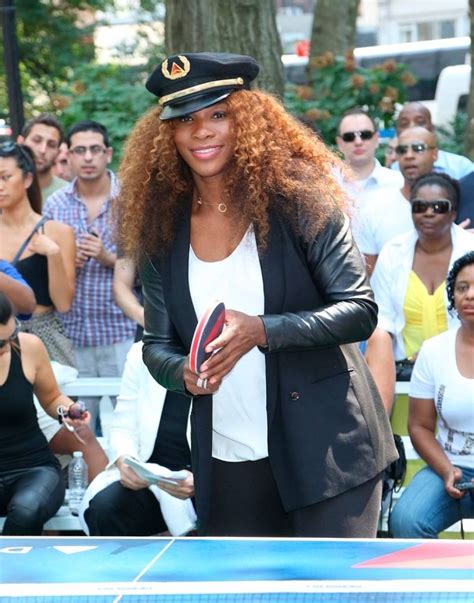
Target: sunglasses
x=8 y=148
x=362 y=134
x=440 y=206
x=416 y=147
x=13 y=336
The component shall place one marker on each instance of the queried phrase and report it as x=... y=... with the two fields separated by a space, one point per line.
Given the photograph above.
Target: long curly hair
x=277 y=162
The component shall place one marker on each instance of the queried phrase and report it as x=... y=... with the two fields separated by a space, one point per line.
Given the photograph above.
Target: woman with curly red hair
x=225 y=195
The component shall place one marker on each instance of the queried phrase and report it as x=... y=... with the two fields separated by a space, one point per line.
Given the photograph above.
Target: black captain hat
x=188 y=82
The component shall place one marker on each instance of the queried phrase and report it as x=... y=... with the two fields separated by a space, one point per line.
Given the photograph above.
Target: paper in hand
x=155 y=474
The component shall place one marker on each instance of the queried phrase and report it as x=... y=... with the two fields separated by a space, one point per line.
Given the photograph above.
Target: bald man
x=384 y=217
x=416 y=114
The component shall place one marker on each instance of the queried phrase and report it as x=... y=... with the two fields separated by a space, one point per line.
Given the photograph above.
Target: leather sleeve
x=349 y=313
x=163 y=352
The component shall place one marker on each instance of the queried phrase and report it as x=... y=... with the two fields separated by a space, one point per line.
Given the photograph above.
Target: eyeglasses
x=440 y=206
x=416 y=147
x=8 y=148
x=13 y=336
x=362 y=134
x=95 y=149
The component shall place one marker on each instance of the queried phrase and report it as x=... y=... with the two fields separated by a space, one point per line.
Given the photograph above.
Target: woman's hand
x=241 y=333
x=128 y=477
x=180 y=488
x=44 y=245
x=80 y=428
x=191 y=381
x=451 y=477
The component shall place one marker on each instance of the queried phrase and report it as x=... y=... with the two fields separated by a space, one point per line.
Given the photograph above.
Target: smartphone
x=464 y=485
x=94 y=234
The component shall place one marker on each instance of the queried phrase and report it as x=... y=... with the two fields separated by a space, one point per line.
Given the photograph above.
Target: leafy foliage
x=59 y=73
x=452 y=138
x=54 y=37
x=113 y=95
x=338 y=84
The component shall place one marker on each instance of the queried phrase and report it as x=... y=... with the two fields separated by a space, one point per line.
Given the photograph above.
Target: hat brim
x=194 y=104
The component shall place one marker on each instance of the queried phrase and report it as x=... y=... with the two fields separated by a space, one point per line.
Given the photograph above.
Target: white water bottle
x=77 y=482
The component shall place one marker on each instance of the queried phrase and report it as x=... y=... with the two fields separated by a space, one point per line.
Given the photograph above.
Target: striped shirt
x=94 y=318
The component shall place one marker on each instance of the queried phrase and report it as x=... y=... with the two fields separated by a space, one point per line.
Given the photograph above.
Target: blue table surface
x=65 y=560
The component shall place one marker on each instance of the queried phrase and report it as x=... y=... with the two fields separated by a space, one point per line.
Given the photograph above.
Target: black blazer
x=327 y=427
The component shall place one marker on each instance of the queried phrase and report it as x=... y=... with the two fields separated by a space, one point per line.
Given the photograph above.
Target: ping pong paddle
x=209 y=327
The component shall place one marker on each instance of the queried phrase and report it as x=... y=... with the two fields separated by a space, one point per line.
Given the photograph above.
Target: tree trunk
x=334 y=26
x=469 y=138
x=240 y=26
x=186 y=25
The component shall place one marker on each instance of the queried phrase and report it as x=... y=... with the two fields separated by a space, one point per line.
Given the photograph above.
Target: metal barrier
x=92 y=386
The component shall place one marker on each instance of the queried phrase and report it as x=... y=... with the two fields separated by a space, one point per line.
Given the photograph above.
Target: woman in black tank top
x=43 y=251
x=31 y=481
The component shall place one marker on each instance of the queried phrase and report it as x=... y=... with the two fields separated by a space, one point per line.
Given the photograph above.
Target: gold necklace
x=222 y=207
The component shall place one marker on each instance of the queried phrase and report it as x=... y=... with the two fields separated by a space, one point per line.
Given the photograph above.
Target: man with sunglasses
x=385 y=216
x=100 y=332
x=416 y=114
x=358 y=139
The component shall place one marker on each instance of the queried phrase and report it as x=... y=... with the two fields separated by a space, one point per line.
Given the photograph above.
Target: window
x=446 y=29
x=425 y=31
x=406 y=33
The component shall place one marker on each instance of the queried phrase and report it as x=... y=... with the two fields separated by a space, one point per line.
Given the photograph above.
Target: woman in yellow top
x=410 y=274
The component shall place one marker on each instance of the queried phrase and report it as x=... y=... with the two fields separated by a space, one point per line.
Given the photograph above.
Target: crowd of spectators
x=59 y=268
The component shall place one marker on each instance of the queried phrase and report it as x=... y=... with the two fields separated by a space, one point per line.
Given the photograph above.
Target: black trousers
x=120 y=511
x=29 y=497
x=245 y=502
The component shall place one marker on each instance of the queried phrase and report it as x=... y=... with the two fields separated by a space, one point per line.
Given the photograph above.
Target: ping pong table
x=190 y=570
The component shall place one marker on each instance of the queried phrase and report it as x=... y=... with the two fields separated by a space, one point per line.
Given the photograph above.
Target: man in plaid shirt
x=100 y=332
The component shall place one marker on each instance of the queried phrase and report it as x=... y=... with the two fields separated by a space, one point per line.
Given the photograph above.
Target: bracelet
x=63 y=412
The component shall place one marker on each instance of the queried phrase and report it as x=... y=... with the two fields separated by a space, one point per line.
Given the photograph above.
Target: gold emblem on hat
x=176 y=70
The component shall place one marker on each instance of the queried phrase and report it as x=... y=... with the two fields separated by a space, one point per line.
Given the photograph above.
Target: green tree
x=240 y=26
x=334 y=26
x=113 y=95
x=54 y=37
x=341 y=85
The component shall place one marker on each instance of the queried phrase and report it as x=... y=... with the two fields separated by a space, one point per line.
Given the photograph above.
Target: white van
x=452 y=91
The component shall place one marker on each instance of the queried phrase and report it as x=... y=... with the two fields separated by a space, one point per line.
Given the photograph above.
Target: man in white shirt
x=357 y=139
x=387 y=213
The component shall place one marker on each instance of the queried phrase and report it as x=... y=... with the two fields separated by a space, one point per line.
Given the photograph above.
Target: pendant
x=221 y=207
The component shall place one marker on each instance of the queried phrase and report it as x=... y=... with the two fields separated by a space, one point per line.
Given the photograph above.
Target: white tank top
x=239 y=417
